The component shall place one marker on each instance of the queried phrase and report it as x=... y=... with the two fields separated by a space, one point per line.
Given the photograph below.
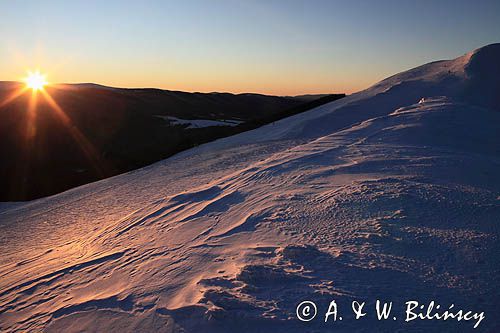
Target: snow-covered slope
x=200 y=123
x=392 y=193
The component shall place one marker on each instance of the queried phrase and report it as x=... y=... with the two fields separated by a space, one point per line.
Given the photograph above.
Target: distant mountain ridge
x=125 y=129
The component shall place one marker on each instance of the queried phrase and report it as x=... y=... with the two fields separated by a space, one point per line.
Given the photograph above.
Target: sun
x=35 y=80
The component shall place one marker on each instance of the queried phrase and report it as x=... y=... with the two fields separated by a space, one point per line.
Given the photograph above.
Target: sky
x=284 y=47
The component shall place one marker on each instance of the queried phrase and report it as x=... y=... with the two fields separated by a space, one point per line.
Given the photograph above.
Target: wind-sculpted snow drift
x=392 y=193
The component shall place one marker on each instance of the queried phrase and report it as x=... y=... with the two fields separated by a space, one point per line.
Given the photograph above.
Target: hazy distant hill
x=112 y=130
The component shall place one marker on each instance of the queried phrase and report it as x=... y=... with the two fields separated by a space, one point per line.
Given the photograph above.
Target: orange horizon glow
x=197 y=80
x=267 y=88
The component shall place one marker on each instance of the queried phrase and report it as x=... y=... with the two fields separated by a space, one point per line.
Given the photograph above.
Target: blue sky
x=275 y=47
